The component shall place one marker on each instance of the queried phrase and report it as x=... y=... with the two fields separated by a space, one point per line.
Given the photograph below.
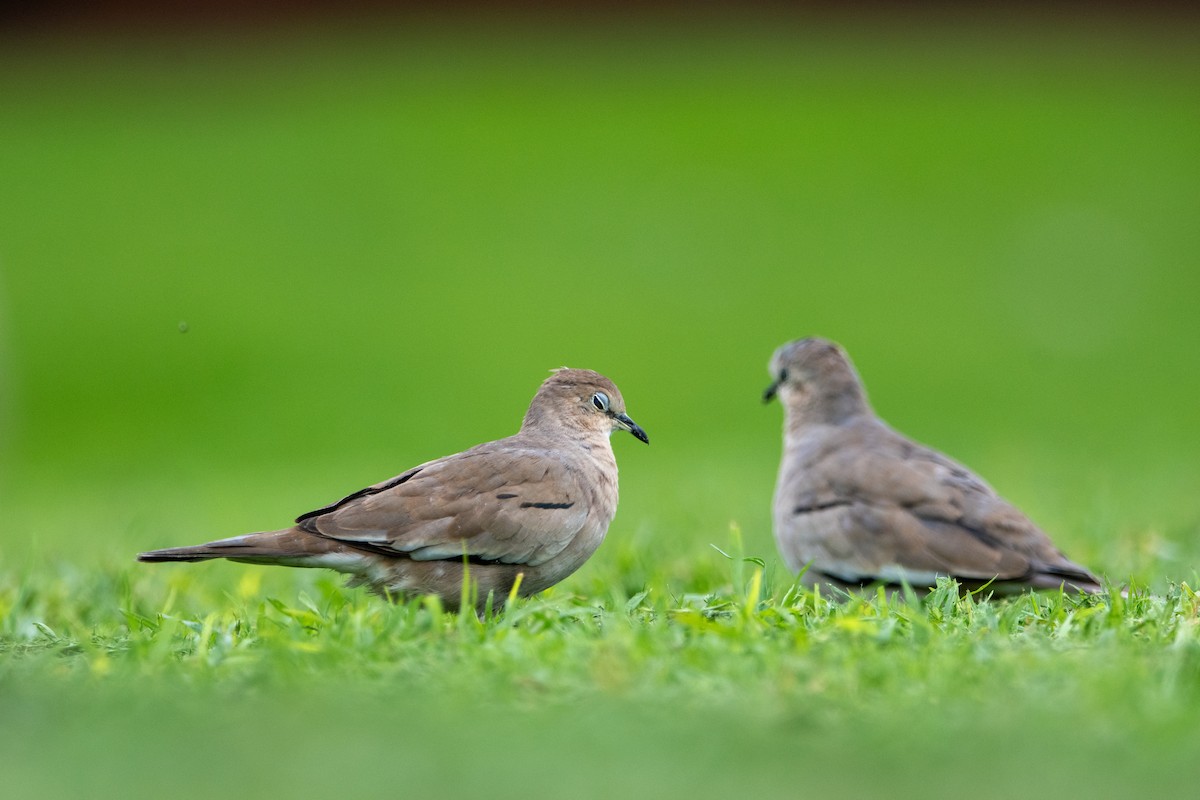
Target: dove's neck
x=834 y=402
x=554 y=429
x=539 y=422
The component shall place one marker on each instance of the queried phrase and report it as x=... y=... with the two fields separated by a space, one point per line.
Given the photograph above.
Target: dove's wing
x=875 y=506
x=497 y=502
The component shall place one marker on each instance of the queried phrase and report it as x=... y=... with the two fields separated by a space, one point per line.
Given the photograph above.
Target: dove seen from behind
x=536 y=505
x=858 y=503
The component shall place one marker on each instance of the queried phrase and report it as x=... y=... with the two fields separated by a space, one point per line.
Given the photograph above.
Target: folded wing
x=488 y=504
x=896 y=510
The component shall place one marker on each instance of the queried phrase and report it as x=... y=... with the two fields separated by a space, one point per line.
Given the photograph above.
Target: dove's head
x=815 y=380
x=580 y=399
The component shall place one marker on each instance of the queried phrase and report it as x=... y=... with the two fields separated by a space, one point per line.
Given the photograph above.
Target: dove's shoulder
x=870 y=461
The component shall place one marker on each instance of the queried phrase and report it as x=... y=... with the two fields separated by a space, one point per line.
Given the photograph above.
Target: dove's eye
x=600 y=401
x=782 y=375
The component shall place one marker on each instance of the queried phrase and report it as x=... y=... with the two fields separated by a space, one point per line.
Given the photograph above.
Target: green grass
x=378 y=242
x=692 y=694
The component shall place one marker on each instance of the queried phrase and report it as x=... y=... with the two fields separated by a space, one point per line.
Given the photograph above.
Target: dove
x=857 y=503
x=525 y=511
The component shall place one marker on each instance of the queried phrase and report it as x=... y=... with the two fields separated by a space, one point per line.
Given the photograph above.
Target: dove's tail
x=1068 y=575
x=289 y=547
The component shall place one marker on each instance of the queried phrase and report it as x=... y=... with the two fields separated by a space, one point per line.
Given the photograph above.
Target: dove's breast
x=595 y=472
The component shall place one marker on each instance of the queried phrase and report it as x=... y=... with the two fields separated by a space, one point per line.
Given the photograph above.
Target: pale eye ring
x=600 y=401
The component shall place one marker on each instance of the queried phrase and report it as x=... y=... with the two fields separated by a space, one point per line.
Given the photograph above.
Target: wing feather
x=869 y=503
x=493 y=503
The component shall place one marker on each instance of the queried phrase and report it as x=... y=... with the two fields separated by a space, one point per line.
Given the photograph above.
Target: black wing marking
x=376 y=489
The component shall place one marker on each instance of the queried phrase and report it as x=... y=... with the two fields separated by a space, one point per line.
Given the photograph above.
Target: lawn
x=244 y=275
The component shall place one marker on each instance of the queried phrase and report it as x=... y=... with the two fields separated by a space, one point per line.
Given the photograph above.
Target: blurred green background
x=244 y=274
x=379 y=240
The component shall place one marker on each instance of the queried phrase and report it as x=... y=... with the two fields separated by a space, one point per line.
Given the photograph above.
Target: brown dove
x=858 y=503
x=535 y=505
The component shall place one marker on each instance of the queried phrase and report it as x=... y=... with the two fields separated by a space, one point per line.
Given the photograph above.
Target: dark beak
x=632 y=427
x=770 y=392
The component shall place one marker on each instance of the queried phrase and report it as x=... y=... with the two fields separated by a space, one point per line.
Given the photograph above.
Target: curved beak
x=625 y=422
x=770 y=392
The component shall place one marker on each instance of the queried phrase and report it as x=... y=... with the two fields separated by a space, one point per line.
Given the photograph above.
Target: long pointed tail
x=290 y=546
